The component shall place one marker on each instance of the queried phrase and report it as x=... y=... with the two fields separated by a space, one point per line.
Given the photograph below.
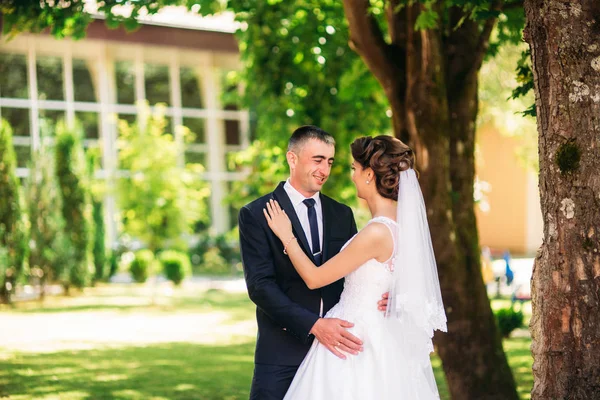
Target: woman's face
x=359 y=177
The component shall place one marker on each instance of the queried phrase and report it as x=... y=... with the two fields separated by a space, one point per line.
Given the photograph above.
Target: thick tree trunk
x=434 y=100
x=565 y=45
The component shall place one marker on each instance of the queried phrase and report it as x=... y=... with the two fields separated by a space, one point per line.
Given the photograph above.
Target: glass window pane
x=83 y=84
x=89 y=124
x=191 y=91
x=50 y=78
x=130 y=118
x=192 y=157
x=23 y=156
x=48 y=121
x=13 y=76
x=125 y=81
x=197 y=128
x=232 y=132
x=18 y=118
x=156 y=80
x=230 y=96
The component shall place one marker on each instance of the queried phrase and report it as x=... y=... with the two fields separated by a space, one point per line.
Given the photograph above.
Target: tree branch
x=367 y=40
x=513 y=5
x=396 y=28
x=484 y=38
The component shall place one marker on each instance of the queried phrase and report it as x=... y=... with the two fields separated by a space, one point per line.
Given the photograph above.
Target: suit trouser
x=271 y=382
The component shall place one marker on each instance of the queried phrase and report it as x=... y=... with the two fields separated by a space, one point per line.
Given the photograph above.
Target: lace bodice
x=364 y=286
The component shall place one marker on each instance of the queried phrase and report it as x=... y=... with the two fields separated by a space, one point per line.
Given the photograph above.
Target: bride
x=392 y=253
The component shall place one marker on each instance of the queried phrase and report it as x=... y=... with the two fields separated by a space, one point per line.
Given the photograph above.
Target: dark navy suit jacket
x=286 y=309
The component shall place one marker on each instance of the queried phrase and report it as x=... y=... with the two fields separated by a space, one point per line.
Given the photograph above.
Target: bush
x=113 y=263
x=508 y=320
x=141 y=265
x=13 y=237
x=215 y=255
x=214 y=263
x=176 y=265
x=70 y=174
x=50 y=248
x=99 y=247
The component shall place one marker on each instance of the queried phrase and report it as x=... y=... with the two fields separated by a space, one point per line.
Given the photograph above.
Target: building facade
x=105 y=76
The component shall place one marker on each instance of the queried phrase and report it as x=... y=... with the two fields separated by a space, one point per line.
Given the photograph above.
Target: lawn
x=141 y=342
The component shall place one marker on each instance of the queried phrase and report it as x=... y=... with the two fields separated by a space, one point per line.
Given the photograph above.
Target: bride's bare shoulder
x=376 y=232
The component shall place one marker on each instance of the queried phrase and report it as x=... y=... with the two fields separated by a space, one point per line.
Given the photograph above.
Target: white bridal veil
x=415 y=305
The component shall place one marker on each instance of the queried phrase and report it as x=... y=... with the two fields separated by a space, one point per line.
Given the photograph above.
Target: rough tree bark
x=564 y=37
x=430 y=80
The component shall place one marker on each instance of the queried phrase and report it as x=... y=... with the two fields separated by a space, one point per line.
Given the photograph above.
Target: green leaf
x=427 y=19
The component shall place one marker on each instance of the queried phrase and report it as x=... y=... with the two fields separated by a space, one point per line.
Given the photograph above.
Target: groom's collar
x=296 y=197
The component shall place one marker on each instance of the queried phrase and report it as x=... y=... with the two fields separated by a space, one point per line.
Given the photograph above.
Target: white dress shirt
x=297 y=199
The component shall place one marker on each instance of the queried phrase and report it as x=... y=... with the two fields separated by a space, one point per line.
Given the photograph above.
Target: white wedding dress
x=382 y=371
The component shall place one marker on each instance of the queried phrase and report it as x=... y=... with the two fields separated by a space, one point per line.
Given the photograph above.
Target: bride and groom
x=370 y=299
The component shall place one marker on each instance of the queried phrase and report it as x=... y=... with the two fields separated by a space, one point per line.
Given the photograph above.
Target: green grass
x=165 y=371
x=218 y=367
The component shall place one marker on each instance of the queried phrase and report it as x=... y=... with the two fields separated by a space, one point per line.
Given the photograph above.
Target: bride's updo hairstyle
x=387 y=157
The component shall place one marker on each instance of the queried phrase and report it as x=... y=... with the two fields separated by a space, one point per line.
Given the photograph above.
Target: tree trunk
x=433 y=97
x=565 y=44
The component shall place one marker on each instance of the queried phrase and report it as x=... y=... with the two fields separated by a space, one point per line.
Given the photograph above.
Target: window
x=191 y=89
x=50 y=78
x=125 y=82
x=48 y=121
x=84 y=88
x=197 y=129
x=18 y=118
x=89 y=124
x=232 y=132
x=194 y=157
x=157 y=84
x=13 y=76
x=230 y=95
x=23 y=154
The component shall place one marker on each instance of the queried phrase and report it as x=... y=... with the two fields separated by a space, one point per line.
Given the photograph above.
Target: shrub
x=113 y=263
x=508 y=320
x=99 y=247
x=70 y=173
x=141 y=265
x=214 y=263
x=50 y=249
x=216 y=255
x=176 y=265
x=13 y=237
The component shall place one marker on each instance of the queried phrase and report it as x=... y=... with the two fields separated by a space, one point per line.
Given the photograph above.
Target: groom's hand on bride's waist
x=383 y=303
x=333 y=334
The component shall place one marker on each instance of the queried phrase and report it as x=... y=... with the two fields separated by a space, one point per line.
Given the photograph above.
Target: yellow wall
x=504 y=226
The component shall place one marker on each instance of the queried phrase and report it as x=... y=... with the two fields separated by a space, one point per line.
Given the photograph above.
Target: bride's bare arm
x=374 y=241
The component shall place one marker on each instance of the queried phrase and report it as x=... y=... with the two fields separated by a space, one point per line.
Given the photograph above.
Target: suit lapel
x=284 y=201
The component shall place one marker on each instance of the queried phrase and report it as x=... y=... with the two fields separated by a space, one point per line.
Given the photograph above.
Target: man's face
x=310 y=168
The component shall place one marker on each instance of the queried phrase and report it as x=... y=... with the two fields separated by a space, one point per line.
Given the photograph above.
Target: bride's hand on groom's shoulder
x=278 y=220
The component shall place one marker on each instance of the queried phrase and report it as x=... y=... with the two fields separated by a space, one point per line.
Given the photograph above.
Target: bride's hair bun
x=387 y=157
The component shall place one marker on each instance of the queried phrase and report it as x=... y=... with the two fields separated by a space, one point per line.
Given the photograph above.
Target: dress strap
x=392 y=226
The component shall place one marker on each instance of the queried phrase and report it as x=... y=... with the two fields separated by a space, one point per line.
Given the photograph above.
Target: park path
x=124 y=321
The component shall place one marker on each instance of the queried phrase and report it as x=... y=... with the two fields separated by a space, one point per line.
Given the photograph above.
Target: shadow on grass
x=166 y=371
x=170 y=371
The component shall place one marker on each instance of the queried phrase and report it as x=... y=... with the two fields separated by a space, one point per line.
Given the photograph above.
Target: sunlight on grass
x=143 y=351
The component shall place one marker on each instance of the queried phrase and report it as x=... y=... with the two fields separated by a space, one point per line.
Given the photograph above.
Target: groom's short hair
x=305 y=133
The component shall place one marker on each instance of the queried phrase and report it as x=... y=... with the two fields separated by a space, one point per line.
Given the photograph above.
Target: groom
x=289 y=315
